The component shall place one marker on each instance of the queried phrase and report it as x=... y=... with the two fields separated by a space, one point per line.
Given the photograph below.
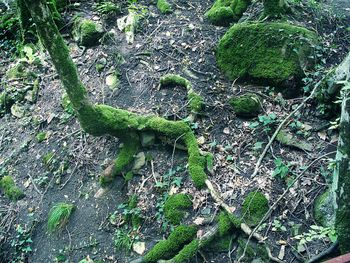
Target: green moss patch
x=247 y=105
x=268 y=53
x=254 y=207
x=254 y=251
x=86 y=32
x=224 y=12
x=175 y=206
x=324 y=213
x=164 y=7
x=166 y=249
x=275 y=8
x=8 y=186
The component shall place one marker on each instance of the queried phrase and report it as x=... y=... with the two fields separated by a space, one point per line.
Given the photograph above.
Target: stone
x=324 y=213
x=87 y=32
x=273 y=53
x=17 y=110
x=247 y=105
x=147 y=138
x=139 y=162
x=288 y=139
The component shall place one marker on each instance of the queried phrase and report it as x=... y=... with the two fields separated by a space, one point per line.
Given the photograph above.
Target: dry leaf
x=322 y=135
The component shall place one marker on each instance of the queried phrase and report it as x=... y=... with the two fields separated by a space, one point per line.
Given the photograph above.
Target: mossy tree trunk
x=341 y=176
x=275 y=8
x=102 y=119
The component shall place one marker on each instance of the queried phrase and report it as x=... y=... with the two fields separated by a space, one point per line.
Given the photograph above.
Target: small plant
x=22 y=244
x=107 y=8
x=123 y=239
x=7 y=184
x=316 y=232
x=277 y=226
x=267 y=121
x=281 y=171
x=59 y=215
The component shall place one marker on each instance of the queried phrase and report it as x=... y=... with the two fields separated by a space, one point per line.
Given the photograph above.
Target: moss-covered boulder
x=224 y=12
x=324 y=213
x=254 y=207
x=247 y=105
x=86 y=32
x=8 y=186
x=175 y=207
x=268 y=53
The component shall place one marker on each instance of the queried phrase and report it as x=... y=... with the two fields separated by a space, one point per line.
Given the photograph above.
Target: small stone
x=247 y=105
x=147 y=139
x=139 y=247
x=288 y=139
x=17 y=111
x=140 y=160
x=112 y=81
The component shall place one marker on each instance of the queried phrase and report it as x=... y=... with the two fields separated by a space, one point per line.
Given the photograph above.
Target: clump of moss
x=59 y=215
x=166 y=249
x=164 y=7
x=133 y=216
x=224 y=12
x=324 y=210
x=275 y=8
x=254 y=207
x=7 y=184
x=247 y=105
x=269 y=53
x=86 y=32
x=41 y=136
x=196 y=101
x=225 y=224
x=174 y=207
x=187 y=253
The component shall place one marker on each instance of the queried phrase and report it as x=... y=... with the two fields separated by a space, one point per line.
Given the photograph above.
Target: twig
x=279 y=199
x=257 y=166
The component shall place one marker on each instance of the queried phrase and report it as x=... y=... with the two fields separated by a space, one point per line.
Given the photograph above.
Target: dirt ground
x=182 y=43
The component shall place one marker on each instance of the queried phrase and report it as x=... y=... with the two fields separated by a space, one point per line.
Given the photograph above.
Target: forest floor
x=66 y=166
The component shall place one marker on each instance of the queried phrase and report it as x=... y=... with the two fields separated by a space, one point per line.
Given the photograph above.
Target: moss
x=41 y=136
x=221 y=243
x=8 y=186
x=187 y=253
x=133 y=218
x=275 y=8
x=247 y=105
x=164 y=7
x=225 y=224
x=128 y=176
x=254 y=207
x=174 y=207
x=20 y=71
x=224 y=12
x=126 y=155
x=86 y=32
x=166 y=249
x=210 y=161
x=196 y=102
x=269 y=53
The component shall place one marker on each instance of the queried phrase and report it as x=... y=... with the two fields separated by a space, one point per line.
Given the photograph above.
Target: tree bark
x=341 y=176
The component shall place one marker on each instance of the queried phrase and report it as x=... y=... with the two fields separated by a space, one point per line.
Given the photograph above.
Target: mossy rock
x=268 y=53
x=8 y=186
x=247 y=105
x=224 y=12
x=86 y=32
x=254 y=207
x=175 y=206
x=20 y=71
x=324 y=213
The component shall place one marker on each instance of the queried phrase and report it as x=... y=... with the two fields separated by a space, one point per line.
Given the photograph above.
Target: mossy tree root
x=196 y=101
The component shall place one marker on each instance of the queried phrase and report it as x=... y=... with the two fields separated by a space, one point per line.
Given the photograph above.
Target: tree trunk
x=275 y=8
x=341 y=176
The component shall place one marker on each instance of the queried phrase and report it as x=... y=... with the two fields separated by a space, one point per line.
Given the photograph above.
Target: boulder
x=86 y=32
x=247 y=105
x=268 y=53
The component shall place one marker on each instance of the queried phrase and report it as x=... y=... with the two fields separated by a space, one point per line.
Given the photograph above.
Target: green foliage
x=8 y=186
x=59 y=215
x=254 y=207
x=224 y=12
x=187 y=253
x=267 y=121
x=107 y=8
x=41 y=136
x=247 y=105
x=164 y=7
x=21 y=243
x=267 y=53
x=317 y=233
x=282 y=170
x=174 y=207
x=86 y=32
x=123 y=240
x=225 y=224
x=166 y=249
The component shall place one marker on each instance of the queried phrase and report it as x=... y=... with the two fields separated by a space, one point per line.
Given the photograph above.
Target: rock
x=247 y=105
x=112 y=81
x=254 y=207
x=86 y=32
x=139 y=247
x=139 y=161
x=147 y=138
x=272 y=53
x=288 y=139
x=17 y=111
x=324 y=213
x=224 y=12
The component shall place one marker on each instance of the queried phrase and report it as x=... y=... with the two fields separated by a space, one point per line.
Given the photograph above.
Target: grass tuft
x=58 y=216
